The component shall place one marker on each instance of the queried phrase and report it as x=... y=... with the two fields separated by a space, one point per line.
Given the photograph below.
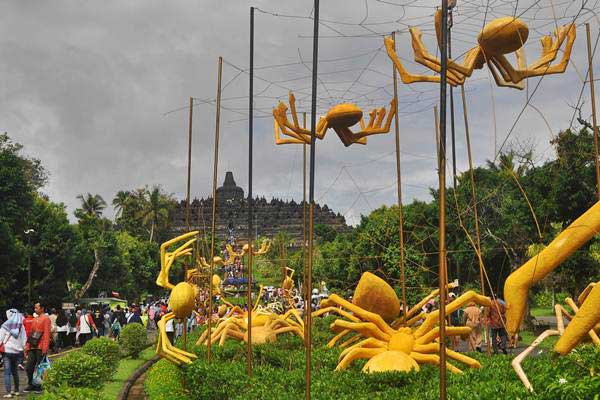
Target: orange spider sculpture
x=498 y=38
x=339 y=118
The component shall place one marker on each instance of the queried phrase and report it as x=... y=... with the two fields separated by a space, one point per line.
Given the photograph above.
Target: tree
x=120 y=202
x=91 y=205
x=155 y=212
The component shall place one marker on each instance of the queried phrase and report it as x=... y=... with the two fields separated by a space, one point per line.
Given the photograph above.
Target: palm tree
x=120 y=202
x=92 y=205
x=156 y=209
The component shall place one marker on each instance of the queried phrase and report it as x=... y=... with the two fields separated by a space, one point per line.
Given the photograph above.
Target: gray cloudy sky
x=86 y=86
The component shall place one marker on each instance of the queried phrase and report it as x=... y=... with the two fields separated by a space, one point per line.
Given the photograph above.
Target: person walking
x=12 y=344
x=53 y=332
x=85 y=326
x=472 y=319
x=497 y=313
x=134 y=317
x=37 y=346
x=62 y=330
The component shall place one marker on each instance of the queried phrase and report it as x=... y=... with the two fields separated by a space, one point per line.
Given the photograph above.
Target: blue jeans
x=11 y=361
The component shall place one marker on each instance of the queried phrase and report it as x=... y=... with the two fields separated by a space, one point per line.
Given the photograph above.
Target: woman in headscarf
x=12 y=343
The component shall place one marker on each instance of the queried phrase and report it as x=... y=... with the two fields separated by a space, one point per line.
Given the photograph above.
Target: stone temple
x=271 y=217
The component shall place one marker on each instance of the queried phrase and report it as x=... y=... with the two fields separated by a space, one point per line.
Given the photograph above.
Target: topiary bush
x=106 y=349
x=164 y=381
x=77 y=370
x=133 y=339
x=279 y=374
x=68 y=393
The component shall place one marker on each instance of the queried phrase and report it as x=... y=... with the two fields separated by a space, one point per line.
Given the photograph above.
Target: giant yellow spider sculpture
x=182 y=300
x=498 y=38
x=561 y=313
x=266 y=325
x=517 y=285
x=375 y=295
x=288 y=287
x=340 y=118
x=265 y=246
x=399 y=349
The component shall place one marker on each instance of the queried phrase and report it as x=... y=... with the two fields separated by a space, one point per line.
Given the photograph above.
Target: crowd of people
x=27 y=338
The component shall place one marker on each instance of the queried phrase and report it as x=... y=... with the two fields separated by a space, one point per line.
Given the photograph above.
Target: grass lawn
x=542 y=312
x=127 y=366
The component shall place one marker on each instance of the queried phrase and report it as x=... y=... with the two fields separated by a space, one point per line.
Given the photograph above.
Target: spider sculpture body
x=266 y=325
x=340 y=118
x=182 y=300
x=498 y=38
x=399 y=349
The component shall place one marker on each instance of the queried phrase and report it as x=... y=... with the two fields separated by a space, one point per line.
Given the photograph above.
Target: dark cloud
x=87 y=84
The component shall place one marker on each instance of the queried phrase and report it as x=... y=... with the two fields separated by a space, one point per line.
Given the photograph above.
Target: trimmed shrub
x=133 y=339
x=78 y=370
x=104 y=348
x=69 y=393
x=164 y=381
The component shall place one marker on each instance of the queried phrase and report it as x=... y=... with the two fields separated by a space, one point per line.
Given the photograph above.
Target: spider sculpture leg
x=366 y=343
x=516 y=362
x=375 y=126
x=165 y=347
x=432 y=359
x=542 y=66
x=586 y=318
x=367 y=329
x=356 y=354
x=293 y=329
x=405 y=76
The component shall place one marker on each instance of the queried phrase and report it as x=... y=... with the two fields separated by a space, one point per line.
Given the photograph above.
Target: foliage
x=133 y=339
x=65 y=392
x=78 y=370
x=279 y=373
x=548 y=299
x=105 y=349
x=164 y=381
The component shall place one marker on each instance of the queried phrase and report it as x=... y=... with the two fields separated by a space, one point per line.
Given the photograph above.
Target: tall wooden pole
x=593 y=95
x=442 y=199
x=214 y=206
x=250 y=200
x=474 y=199
x=399 y=188
x=311 y=196
x=187 y=204
x=305 y=291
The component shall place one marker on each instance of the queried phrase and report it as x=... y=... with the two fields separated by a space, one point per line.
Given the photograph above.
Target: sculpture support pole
x=250 y=202
x=442 y=199
x=399 y=187
x=214 y=207
x=187 y=205
x=305 y=291
x=474 y=199
x=311 y=196
x=593 y=96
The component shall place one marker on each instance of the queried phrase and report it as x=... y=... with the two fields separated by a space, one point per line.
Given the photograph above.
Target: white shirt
x=84 y=325
x=169 y=327
x=13 y=345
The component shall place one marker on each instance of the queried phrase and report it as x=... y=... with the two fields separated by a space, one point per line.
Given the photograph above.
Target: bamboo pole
x=475 y=202
x=305 y=291
x=311 y=197
x=399 y=188
x=250 y=200
x=187 y=204
x=593 y=98
x=442 y=199
x=214 y=207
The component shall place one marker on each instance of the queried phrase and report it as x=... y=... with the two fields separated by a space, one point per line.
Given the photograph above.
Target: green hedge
x=133 y=339
x=77 y=370
x=106 y=349
x=279 y=373
x=69 y=393
x=164 y=381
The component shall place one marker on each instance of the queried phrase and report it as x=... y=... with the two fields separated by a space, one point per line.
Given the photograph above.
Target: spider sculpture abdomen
x=375 y=295
x=344 y=115
x=503 y=36
x=182 y=299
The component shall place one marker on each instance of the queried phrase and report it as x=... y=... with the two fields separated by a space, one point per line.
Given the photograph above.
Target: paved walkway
x=23 y=374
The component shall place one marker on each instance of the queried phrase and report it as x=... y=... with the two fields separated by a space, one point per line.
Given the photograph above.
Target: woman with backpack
x=62 y=330
x=12 y=344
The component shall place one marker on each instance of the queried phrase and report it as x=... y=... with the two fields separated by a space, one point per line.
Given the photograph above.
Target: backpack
x=116 y=326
